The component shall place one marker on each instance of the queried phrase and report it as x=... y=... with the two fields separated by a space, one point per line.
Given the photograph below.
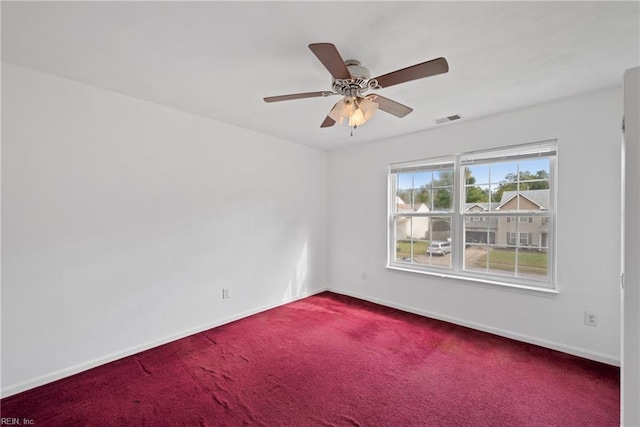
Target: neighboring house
x=418 y=228
x=481 y=229
x=531 y=231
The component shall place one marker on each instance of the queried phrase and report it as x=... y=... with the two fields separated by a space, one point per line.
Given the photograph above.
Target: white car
x=439 y=248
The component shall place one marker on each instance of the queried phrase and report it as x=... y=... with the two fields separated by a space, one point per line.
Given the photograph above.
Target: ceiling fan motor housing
x=359 y=81
x=357 y=71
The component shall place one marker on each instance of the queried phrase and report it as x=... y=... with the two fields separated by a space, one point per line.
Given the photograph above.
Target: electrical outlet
x=225 y=293
x=591 y=318
x=364 y=276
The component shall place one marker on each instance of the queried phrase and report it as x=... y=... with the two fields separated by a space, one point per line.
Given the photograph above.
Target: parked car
x=439 y=248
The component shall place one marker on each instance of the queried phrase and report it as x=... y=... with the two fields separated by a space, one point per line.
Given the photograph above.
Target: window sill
x=476 y=280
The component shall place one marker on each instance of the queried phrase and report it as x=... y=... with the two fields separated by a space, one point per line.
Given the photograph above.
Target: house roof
x=401 y=206
x=484 y=206
x=539 y=197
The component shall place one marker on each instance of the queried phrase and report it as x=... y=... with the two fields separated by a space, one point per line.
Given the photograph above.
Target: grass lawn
x=404 y=248
x=533 y=262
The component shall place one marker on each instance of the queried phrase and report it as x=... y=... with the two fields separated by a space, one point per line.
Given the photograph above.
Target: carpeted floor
x=332 y=360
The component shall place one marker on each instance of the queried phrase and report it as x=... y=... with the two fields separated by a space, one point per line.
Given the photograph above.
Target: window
x=422 y=205
x=521 y=219
x=486 y=215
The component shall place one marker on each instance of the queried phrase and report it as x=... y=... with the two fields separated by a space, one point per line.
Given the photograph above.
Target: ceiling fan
x=353 y=81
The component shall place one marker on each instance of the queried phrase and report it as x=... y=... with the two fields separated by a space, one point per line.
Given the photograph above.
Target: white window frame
x=433 y=165
x=546 y=149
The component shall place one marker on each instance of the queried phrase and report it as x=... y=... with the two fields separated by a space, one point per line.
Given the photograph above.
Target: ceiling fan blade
x=331 y=59
x=392 y=107
x=328 y=122
x=418 y=71
x=296 y=96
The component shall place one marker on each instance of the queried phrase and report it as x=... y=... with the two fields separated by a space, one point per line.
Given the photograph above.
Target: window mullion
x=457 y=222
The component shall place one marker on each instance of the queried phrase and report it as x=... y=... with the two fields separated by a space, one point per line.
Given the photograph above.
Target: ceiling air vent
x=448 y=119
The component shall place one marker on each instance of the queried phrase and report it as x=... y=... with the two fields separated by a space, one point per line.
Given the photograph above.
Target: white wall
x=123 y=220
x=588 y=222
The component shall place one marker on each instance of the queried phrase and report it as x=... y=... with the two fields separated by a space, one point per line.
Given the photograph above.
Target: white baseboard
x=66 y=372
x=576 y=351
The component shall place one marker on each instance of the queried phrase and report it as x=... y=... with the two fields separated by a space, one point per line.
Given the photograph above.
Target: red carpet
x=331 y=360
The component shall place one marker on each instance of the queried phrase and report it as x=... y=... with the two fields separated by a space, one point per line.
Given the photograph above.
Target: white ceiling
x=219 y=59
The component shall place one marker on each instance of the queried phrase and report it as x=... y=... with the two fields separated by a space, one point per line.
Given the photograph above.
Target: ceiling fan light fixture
x=365 y=109
x=356 y=110
x=368 y=108
x=343 y=109
x=357 y=118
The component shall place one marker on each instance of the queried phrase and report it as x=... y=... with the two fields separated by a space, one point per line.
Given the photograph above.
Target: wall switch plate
x=225 y=293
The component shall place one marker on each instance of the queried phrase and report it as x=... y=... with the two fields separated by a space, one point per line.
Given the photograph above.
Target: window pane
x=477 y=174
x=506 y=231
x=504 y=181
x=480 y=230
x=535 y=169
x=443 y=178
x=490 y=259
x=502 y=261
x=525 y=200
x=532 y=263
x=504 y=172
x=477 y=194
x=443 y=199
x=422 y=179
x=421 y=193
x=505 y=246
x=542 y=222
x=442 y=194
x=523 y=239
x=404 y=241
x=404 y=185
x=438 y=251
x=423 y=240
x=478 y=236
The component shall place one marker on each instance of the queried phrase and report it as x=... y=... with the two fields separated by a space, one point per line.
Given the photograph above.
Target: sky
x=485 y=174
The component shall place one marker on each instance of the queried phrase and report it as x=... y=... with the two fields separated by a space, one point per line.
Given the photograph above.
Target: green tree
x=404 y=194
x=417 y=196
x=422 y=195
x=477 y=195
x=474 y=194
x=443 y=186
x=442 y=199
x=537 y=181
